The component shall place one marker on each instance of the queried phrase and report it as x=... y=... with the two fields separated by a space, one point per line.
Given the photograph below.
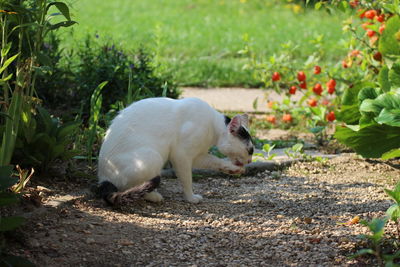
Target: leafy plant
x=389 y=256
x=370 y=109
x=11 y=222
x=24 y=26
x=96 y=101
x=131 y=76
x=43 y=139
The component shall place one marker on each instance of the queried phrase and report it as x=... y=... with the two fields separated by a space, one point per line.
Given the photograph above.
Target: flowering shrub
x=360 y=91
x=310 y=94
x=370 y=109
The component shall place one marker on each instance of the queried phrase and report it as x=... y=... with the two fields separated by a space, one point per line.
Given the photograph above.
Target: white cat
x=150 y=132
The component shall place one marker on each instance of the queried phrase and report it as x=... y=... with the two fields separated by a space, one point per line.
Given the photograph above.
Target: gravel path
x=293 y=217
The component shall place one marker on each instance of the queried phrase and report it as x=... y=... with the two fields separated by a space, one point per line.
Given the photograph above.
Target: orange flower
x=271 y=119
x=287 y=118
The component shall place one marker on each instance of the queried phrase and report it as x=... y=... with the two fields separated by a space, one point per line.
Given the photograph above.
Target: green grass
x=198 y=41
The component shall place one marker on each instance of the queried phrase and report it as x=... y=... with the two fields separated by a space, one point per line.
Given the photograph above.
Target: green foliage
x=394 y=210
x=87 y=65
x=371 y=110
x=24 y=26
x=377 y=239
x=43 y=139
x=96 y=101
x=11 y=222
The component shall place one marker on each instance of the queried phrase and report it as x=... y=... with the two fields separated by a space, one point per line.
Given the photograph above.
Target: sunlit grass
x=198 y=41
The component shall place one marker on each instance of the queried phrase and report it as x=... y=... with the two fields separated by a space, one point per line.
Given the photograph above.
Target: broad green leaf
x=370 y=105
x=62 y=7
x=388 y=43
x=394 y=75
x=10 y=223
x=317 y=129
x=62 y=24
x=383 y=79
x=371 y=141
x=297 y=147
x=68 y=129
x=368 y=93
x=394 y=212
x=6 y=78
x=389 y=101
x=349 y=114
x=350 y=95
x=394 y=153
x=367 y=119
x=46 y=119
x=390 y=117
x=377 y=227
x=6 y=49
x=8 y=62
x=394 y=194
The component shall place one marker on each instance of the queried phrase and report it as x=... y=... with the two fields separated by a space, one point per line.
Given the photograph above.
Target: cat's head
x=238 y=145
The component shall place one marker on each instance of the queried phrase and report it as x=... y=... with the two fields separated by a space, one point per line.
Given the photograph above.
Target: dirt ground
x=292 y=217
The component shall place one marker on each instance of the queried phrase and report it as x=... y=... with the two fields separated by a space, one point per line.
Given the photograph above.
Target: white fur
x=150 y=132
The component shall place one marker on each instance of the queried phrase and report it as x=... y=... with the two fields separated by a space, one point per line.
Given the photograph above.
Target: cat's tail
x=111 y=196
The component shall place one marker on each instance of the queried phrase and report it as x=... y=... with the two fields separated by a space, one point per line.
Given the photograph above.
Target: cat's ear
x=235 y=124
x=244 y=119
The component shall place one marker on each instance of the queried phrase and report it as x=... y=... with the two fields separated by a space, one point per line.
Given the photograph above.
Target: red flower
x=301 y=76
x=370 y=14
x=382 y=28
x=312 y=102
x=317 y=89
x=330 y=116
x=317 y=70
x=303 y=85
x=292 y=90
x=331 y=84
x=370 y=33
x=381 y=18
x=276 y=76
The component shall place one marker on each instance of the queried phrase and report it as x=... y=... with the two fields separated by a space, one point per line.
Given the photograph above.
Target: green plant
x=130 y=76
x=306 y=102
x=296 y=151
x=43 y=139
x=371 y=106
x=11 y=222
x=96 y=101
x=385 y=248
x=267 y=148
x=24 y=25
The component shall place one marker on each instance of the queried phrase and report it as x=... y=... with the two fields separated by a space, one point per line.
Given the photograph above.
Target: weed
x=386 y=248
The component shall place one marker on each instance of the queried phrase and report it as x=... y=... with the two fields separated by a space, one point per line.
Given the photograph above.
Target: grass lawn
x=198 y=40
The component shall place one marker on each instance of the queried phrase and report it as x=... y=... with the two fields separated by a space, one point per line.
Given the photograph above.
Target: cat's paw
x=238 y=170
x=153 y=197
x=234 y=170
x=194 y=198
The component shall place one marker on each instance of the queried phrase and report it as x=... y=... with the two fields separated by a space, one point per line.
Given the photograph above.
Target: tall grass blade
x=11 y=127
